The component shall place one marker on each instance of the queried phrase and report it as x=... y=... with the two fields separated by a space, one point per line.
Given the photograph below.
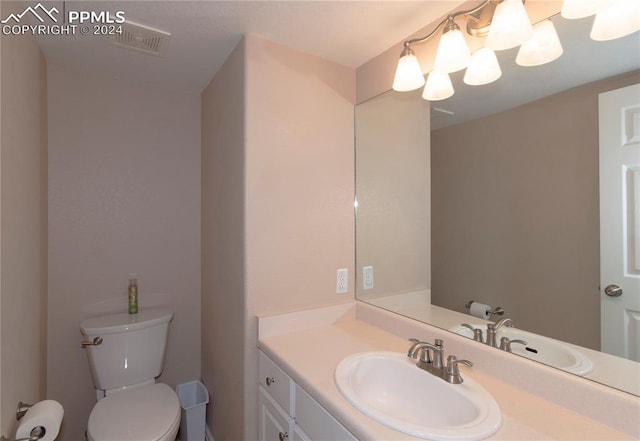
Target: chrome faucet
x=491 y=335
x=433 y=364
x=492 y=329
x=424 y=353
x=504 y=322
x=477 y=332
x=427 y=362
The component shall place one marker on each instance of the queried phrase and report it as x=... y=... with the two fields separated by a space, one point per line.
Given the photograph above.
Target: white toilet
x=126 y=354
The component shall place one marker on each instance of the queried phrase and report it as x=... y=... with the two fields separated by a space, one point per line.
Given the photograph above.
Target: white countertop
x=308 y=345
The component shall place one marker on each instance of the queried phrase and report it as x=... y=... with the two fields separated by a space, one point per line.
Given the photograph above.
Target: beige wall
x=299 y=178
x=299 y=188
x=393 y=187
x=277 y=208
x=124 y=176
x=515 y=213
x=223 y=289
x=23 y=250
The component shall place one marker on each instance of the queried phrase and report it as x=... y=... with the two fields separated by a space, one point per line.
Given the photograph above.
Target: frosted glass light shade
x=408 y=74
x=619 y=19
x=453 y=53
x=510 y=26
x=583 y=8
x=543 y=46
x=483 y=68
x=438 y=87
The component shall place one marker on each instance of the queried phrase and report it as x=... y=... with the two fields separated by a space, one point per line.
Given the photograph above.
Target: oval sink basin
x=539 y=348
x=389 y=388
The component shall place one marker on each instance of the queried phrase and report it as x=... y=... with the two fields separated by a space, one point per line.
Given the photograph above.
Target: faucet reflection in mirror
x=506 y=25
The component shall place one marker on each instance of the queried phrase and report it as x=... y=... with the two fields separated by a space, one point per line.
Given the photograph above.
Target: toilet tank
x=132 y=349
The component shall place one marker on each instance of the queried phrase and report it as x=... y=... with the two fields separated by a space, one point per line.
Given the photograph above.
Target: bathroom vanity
x=288 y=412
x=299 y=399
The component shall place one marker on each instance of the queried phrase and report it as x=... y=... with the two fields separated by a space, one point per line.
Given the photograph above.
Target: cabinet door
x=275 y=424
x=299 y=435
x=316 y=422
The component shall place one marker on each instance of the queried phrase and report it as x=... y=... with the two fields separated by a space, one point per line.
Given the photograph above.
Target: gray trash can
x=193 y=398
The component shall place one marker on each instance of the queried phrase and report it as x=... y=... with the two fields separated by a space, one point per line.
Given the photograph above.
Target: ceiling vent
x=141 y=38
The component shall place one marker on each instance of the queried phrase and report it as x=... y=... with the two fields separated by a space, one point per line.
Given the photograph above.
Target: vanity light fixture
x=510 y=26
x=408 y=73
x=453 y=53
x=619 y=19
x=505 y=24
x=583 y=8
x=483 y=68
x=542 y=46
x=438 y=86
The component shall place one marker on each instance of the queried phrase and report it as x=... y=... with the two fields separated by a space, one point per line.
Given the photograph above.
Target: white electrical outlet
x=342 y=281
x=367 y=277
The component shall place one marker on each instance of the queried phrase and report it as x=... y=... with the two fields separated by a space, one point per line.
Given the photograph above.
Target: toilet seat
x=148 y=413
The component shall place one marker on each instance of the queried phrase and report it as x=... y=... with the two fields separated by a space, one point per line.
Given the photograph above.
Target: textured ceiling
x=205 y=32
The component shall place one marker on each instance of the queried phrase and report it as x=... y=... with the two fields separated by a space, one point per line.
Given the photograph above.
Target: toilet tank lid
x=123 y=322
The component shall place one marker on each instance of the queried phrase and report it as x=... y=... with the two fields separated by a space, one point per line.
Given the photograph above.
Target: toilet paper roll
x=47 y=414
x=480 y=310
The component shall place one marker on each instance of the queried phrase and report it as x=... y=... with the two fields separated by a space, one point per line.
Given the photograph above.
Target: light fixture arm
x=450 y=18
x=408 y=43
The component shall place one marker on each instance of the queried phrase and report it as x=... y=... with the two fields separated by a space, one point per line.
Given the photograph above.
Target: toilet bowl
x=126 y=354
x=149 y=413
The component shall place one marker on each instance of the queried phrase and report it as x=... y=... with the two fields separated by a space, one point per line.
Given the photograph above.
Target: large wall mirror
x=492 y=196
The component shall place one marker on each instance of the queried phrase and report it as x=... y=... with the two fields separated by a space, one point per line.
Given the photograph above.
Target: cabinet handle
x=270 y=381
x=283 y=435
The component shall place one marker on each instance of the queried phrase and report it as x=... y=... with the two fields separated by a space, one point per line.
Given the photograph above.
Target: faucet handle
x=505 y=343
x=452 y=364
x=451 y=372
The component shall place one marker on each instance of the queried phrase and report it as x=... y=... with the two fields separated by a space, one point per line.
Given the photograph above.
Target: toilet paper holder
x=36 y=432
x=22 y=409
x=495 y=311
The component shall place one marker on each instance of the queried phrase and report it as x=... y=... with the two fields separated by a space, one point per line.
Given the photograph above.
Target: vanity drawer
x=276 y=382
x=316 y=422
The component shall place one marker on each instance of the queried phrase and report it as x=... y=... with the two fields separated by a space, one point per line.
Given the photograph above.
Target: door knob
x=613 y=291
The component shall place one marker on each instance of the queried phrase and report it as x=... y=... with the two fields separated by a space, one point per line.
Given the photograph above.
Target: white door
x=619 y=112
